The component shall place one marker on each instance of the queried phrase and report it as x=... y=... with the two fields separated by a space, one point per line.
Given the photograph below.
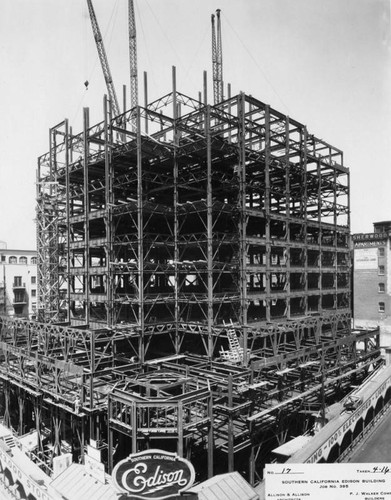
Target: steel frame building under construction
x=194 y=287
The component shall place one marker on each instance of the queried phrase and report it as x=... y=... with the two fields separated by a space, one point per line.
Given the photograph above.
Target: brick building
x=18 y=282
x=372 y=279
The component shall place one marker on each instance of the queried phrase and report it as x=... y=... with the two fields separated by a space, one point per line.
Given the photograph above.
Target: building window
x=13 y=260
x=3 y=258
x=381 y=288
x=22 y=260
x=17 y=280
x=34 y=260
x=381 y=252
x=381 y=307
x=381 y=270
x=33 y=280
x=19 y=297
x=33 y=293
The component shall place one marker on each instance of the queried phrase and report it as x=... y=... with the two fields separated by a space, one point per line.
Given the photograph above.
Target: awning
x=290 y=447
x=76 y=484
x=230 y=486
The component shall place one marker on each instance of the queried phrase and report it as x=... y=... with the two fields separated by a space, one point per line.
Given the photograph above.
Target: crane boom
x=219 y=56
x=103 y=59
x=217 y=59
x=132 y=56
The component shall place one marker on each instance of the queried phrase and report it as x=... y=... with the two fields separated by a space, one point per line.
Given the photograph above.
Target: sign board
x=30 y=485
x=153 y=474
x=365 y=258
x=348 y=424
x=328 y=481
x=369 y=236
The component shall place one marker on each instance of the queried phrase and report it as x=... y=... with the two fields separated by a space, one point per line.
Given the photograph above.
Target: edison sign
x=153 y=474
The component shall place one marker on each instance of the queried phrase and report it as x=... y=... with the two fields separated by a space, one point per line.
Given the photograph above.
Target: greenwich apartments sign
x=153 y=474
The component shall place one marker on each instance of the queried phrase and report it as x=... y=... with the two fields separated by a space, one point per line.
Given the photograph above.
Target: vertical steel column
x=21 y=411
x=288 y=219
x=304 y=207
x=134 y=426
x=52 y=232
x=63 y=419
x=74 y=433
x=349 y=262
x=209 y=222
x=180 y=419
x=205 y=87
x=91 y=388
x=39 y=210
x=319 y=174
x=335 y=241
x=242 y=213
x=231 y=460
x=67 y=142
x=229 y=111
x=98 y=426
x=83 y=389
x=176 y=221
x=251 y=463
x=82 y=439
x=110 y=437
x=38 y=414
x=86 y=216
x=123 y=104
x=140 y=238
x=210 y=444
x=108 y=138
x=146 y=101
x=267 y=209
x=7 y=416
x=245 y=342
x=322 y=388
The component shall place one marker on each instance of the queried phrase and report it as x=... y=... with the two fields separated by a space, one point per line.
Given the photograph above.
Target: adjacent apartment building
x=18 y=282
x=372 y=279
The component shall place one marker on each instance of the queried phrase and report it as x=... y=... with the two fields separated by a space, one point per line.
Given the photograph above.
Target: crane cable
x=86 y=23
x=256 y=63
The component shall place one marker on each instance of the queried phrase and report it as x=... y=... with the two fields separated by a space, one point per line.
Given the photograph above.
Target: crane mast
x=217 y=59
x=103 y=59
x=132 y=56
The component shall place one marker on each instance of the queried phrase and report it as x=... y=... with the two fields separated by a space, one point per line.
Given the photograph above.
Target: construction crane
x=217 y=59
x=103 y=59
x=132 y=56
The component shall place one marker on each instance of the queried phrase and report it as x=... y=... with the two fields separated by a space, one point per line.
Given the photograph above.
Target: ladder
x=235 y=352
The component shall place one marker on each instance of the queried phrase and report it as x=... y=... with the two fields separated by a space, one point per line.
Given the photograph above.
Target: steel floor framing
x=72 y=385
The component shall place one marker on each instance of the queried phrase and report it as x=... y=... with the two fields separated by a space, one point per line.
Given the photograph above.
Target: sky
x=325 y=63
